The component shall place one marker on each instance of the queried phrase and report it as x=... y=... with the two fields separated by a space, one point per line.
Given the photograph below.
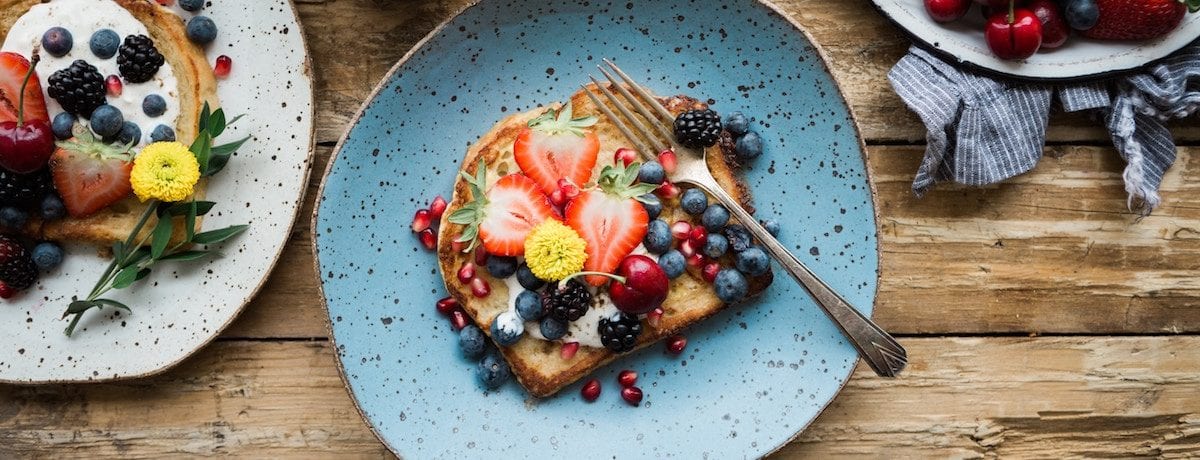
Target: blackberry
x=567 y=303
x=138 y=59
x=620 y=333
x=79 y=89
x=698 y=128
x=17 y=270
x=24 y=190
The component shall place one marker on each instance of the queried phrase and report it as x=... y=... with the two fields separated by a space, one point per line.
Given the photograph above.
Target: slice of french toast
x=537 y=364
x=196 y=85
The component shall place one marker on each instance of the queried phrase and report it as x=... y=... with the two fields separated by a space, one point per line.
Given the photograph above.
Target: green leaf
x=217 y=236
x=463 y=216
x=230 y=148
x=79 y=306
x=204 y=114
x=113 y=303
x=202 y=148
x=126 y=277
x=137 y=257
x=142 y=274
x=234 y=120
x=118 y=249
x=189 y=221
x=185 y=256
x=161 y=236
x=183 y=209
x=216 y=125
x=215 y=164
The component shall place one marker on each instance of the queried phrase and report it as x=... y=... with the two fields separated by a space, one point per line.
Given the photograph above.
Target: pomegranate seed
x=457 y=245
x=590 y=390
x=676 y=344
x=428 y=239
x=568 y=350
x=627 y=378
x=458 y=319
x=6 y=291
x=667 y=190
x=668 y=160
x=568 y=188
x=698 y=236
x=421 y=220
x=480 y=287
x=223 y=67
x=625 y=156
x=466 y=272
x=710 y=271
x=557 y=198
x=681 y=230
x=447 y=305
x=113 y=85
x=696 y=260
x=481 y=256
x=632 y=395
x=437 y=207
x=687 y=248
x=654 y=318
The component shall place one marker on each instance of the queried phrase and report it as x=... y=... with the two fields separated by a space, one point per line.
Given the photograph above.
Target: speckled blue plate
x=752 y=378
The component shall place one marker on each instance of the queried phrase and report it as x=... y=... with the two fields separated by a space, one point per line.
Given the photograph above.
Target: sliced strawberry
x=90 y=176
x=555 y=146
x=13 y=68
x=502 y=217
x=610 y=219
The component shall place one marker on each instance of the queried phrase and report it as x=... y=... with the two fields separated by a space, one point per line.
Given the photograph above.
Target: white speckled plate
x=180 y=308
x=1080 y=57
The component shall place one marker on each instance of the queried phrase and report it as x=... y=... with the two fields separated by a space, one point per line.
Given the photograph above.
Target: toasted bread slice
x=196 y=85
x=537 y=364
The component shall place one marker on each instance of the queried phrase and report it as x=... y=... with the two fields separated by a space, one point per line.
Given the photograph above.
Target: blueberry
x=694 y=201
x=104 y=43
x=57 y=41
x=107 y=120
x=672 y=263
x=730 y=285
x=652 y=172
x=201 y=30
x=752 y=261
x=1082 y=14
x=737 y=124
x=529 y=306
x=715 y=218
x=62 y=125
x=154 y=105
x=658 y=237
x=162 y=133
x=749 y=146
x=739 y=237
x=53 y=207
x=11 y=217
x=472 y=341
x=772 y=226
x=716 y=245
x=47 y=256
x=130 y=134
x=507 y=328
x=528 y=280
x=652 y=204
x=493 y=371
x=552 y=329
x=502 y=267
x=191 y=5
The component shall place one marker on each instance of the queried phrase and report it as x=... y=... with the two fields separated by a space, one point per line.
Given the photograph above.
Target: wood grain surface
x=1042 y=318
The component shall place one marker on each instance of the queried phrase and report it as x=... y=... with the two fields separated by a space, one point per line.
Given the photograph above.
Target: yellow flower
x=554 y=251
x=165 y=171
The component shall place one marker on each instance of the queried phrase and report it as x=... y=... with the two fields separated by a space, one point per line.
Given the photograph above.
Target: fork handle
x=881 y=351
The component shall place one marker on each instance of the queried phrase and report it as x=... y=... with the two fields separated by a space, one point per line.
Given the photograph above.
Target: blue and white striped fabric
x=982 y=130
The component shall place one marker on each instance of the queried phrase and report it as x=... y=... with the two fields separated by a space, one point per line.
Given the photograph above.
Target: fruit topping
x=552 y=329
x=47 y=256
x=627 y=378
x=62 y=125
x=698 y=129
x=693 y=201
x=668 y=160
x=619 y=333
x=507 y=328
x=590 y=390
x=501 y=267
x=652 y=204
x=104 y=43
x=652 y=172
x=654 y=318
x=162 y=133
x=698 y=237
x=610 y=219
x=1081 y=14
x=107 y=120
x=428 y=238
x=673 y=263
x=201 y=30
x=710 y=270
x=632 y=395
x=771 y=225
x=528 y=280
x=26 y=143
x=13 y=218
x=737 y=124
x=223 y=67
x=52 y=206
x=421 y=220
x=437 y=207
x=493 y=371
x=947 y=10
x=568 y=350
x=129 y=134
x=529 y=306
x=555 y=146
x=625 y=156
x=567 y=301
x=554 y=251
x=192 y=5
x=79 y=89
x=480 y=287
x=138 y=59
x=730 y=285
x=24 y=190
x=458 y=319
x=658 y=237
x=1054 y=28
x=13 y=69
x=472 y=342
x=89 y=174
x=503 y=217
x=715 y=218
x=1013 y=34
x=739 y=238
x=17 y=269
x=676 y=344
x=716 y=246
x=640 y=285
x=154 y=106
x=447 y=305
x=667 y=191
x=57 y=41
x=1136 y=19
x=748 y=147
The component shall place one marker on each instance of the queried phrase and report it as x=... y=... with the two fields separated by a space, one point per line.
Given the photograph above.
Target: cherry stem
x=617 y=278
x=1012 y=11
x=33 y=62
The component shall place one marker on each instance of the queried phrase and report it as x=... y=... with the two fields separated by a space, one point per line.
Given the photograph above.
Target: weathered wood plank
x=969 y=398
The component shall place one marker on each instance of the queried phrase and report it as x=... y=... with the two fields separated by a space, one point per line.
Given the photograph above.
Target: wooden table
x=1041 y=318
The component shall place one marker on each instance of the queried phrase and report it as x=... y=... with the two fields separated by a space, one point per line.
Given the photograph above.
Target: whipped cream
x=84 y=18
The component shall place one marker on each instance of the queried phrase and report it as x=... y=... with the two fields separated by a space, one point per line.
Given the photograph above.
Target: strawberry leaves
x=472 y=214
x=1193 y=5
x=623 y=182
x=558 y=122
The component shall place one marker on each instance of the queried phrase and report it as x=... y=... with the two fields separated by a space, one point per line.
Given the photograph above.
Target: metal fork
x=885 y=356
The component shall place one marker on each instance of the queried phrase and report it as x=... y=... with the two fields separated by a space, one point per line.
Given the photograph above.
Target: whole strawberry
x=1136 y=19
x=17 y=270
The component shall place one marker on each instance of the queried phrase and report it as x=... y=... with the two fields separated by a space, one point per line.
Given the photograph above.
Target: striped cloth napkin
x=982 y=130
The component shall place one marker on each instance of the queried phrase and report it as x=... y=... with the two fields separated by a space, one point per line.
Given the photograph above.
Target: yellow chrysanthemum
x=165 y=171
x=554 y=251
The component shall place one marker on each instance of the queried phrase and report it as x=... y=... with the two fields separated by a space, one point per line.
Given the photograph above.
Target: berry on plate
x=57 y=41
x=472 y=341
x=79 y=89
x=946 y=10
x=13 y=68
x=1082 y=14
x=643 y=285
x=698 y=129
x=17 y=270
x=619 y=333
x=1013 y=34
x=104 y=43
x=138 y=59
x=557 y=146
x=503 y=217
x=1054 y=28
x=610 y=219
x=26 y=143
x=493 y=371
x=90 y=175
x=1136 y=19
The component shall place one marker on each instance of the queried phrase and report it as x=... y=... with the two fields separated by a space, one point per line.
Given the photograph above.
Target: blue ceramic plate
x=752 y=377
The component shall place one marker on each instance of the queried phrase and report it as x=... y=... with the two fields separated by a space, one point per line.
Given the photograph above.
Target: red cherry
x=1017 y=38
x=632 y=395
x=645 y=286
x=223 y=67
x=627 y=378
x=590 y=390
x=1054 y=28
x=25 y=145
x=946 y=10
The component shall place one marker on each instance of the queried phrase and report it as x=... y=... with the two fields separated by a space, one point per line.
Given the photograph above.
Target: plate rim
x=307 y=72
x=772 y=8
x=924 y=44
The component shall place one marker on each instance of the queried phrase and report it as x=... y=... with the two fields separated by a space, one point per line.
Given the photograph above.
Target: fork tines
x=649 y=143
